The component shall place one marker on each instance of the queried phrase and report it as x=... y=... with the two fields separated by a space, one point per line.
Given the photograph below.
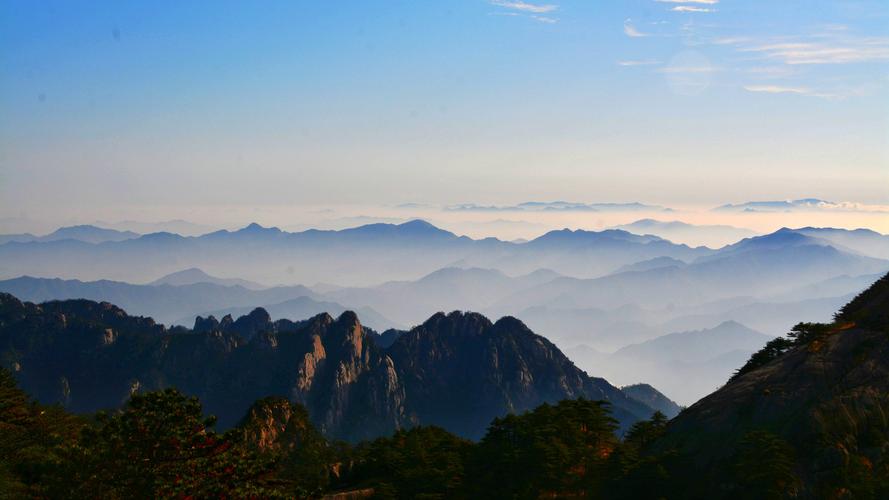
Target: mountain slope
x=824 y=394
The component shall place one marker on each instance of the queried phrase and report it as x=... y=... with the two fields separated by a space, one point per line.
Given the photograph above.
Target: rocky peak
x=226 y=322
x=457 y=323
x=204 y=325
x=257 y=321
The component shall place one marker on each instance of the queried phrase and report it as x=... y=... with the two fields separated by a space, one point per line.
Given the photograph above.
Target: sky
x=221 y=112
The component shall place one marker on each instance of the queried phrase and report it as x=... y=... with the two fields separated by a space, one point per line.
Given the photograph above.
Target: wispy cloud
x=643 y=62
x=631 y=30
x=525 y=7
x=545 y=19
x=778 y=89
x=703 y=2
x=804 y=205
x=690 y=8
x=840 y=51
x=780 y=71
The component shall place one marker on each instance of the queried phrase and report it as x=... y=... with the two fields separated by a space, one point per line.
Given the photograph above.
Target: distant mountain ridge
x=194 y=276
x=180 y=304
x=560 y=206
x=85 y=233
x=686 y=365
x=682 y=232
x=388 y=251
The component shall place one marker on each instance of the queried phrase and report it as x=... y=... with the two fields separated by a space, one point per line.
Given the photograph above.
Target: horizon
x=507 y=223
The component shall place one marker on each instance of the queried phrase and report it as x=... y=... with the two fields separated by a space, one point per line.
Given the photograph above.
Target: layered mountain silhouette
x=687 y=365
x=84 y=233
x=601 y=289
x=683 y=232
x=385 y=251
x=457 y=370
x=180 y=304
x=194 y=276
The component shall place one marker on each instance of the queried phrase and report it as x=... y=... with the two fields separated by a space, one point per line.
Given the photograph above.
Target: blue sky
x=111 y=105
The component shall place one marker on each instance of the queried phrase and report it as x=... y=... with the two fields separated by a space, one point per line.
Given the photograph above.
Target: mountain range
x=84 y=233
x=387 y=252
x=592 y=293
x=692 y=234
x=458 y=371
x=687 y=365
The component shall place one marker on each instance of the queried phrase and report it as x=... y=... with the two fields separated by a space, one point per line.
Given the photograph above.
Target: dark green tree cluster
x=30 y=437
x=801 y=334
x=422 y=462
x=160 y=445
x=560 y=448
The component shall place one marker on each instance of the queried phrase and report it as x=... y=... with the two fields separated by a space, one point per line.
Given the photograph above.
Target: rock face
x=827 y=397
x=458 y=371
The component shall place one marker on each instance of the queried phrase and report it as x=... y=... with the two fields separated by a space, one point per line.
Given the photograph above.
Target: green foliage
x=29 y=436
x=159 y=445
x=558 y=448
x=422 y=462
x=868 y=309
x=645 y=432
x=765 y=467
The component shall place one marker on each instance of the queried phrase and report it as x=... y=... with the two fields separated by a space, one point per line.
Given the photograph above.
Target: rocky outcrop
x=275 y=425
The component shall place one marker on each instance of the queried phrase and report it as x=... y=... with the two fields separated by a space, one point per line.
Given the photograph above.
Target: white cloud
x=772 y=71
x=631 y=30
x=833 y=52
x=688 y=8
x=643 y=62
x=544 y=19
x=704 y=2
x=779 y=89
x=525 y=7
x=776 y=89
